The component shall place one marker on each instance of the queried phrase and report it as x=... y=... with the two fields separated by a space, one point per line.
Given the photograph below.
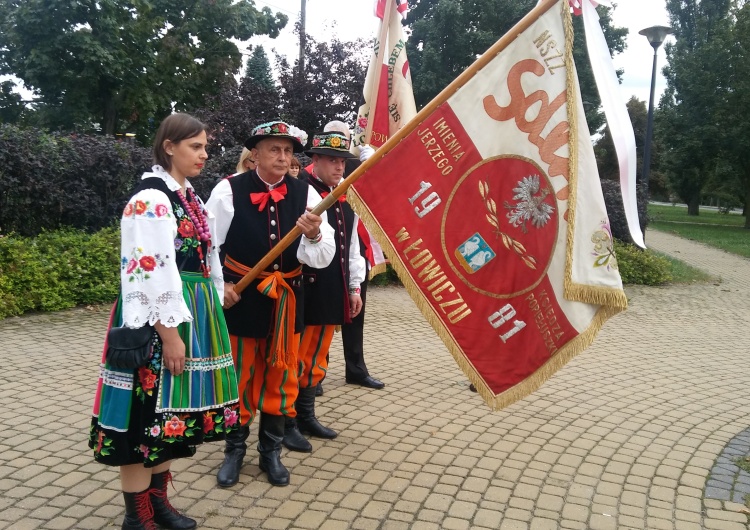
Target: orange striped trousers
x=313 y=354
x=261 y=386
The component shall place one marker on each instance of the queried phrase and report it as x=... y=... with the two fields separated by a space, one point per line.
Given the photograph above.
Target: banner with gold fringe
x=491 y=212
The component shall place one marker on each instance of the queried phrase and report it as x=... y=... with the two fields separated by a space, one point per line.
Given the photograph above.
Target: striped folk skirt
x=149 y=416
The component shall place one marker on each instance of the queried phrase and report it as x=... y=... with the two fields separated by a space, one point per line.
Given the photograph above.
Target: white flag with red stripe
x=389 y=98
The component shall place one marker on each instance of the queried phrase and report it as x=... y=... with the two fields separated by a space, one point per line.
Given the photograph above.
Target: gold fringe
x=380 y=268
x=578 y=292
x=572 y=111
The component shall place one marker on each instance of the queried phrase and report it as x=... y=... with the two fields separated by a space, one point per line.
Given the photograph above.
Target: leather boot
x=234 y=452
x=270 y=434
x=139 y=514
x=293 y=439
x=306 y=420
x=166 y=515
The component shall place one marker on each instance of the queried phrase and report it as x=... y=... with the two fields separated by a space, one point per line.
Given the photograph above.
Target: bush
x=58 y=270
x=641 y=267
x=616 y=210
x=48 y=181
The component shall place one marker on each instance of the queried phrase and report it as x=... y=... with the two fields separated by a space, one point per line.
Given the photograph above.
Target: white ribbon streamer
x=617 y=115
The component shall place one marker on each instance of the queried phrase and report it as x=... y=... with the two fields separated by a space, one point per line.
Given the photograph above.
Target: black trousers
x=352 y=336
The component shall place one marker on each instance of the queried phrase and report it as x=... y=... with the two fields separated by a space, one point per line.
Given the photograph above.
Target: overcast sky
x=354 y=18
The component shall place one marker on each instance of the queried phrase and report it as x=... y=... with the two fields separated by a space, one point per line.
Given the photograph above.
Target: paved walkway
x=623 y=437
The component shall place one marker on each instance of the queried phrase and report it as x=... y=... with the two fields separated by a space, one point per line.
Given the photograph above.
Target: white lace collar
x=160 y=172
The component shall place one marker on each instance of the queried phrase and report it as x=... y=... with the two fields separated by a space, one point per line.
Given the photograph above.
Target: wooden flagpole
x=394 y=140
x=384 y=29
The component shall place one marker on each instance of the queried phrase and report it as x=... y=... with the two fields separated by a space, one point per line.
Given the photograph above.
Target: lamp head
x=656 y=35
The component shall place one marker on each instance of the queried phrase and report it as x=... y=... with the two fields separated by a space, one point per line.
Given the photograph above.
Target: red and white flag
x=389 y=98
x=489 y=206
x=401 y=7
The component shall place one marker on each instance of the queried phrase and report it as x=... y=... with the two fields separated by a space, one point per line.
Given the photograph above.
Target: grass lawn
x=724 y=231
x=684 y=273
x=678 y=214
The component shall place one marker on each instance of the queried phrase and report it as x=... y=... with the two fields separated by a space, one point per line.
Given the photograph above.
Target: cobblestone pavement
x=624 y=436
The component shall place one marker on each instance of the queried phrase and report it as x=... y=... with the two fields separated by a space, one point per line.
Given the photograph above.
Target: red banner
x=498 y=233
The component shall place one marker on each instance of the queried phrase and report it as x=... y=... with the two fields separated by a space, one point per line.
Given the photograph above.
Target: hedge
x=58 y=270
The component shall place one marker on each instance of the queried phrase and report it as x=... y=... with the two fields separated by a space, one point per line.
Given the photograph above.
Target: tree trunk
x=694 y=204
x=747 y=204
x=110 y=115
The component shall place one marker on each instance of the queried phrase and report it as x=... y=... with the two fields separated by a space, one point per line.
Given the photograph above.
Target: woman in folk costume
x=171 y=279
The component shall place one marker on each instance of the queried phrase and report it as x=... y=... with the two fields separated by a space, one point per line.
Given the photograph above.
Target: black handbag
x=129 y=348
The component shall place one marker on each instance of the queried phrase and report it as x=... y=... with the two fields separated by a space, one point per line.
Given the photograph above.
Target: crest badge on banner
x=491 y=211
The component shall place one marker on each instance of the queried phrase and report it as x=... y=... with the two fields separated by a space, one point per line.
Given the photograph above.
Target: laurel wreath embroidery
x=509 y=242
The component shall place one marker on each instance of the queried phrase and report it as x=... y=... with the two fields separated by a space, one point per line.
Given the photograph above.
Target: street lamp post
x=655 y=36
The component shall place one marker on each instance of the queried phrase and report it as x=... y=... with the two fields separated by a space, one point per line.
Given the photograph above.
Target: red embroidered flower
x=362 y=122
x=128 y=210
x=316 y=142
x=282 y=128
x=208 y=422
x=132 y=266
x=99 y=441
x=140 y=207
x=160 y=210
x=230 y=417
x=186 y=228
x=148 y=263
x=147 y=378
x=174 y=427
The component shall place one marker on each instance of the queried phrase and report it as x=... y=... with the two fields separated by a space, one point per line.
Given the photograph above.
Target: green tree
x=11 y=104
x=737 y=124
x=331 y=87
x=689 y=128
x=238 y=108
x=448 y=35
x=124 y=64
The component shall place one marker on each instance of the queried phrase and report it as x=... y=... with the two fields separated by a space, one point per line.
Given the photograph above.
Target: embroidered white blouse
x=151 y=284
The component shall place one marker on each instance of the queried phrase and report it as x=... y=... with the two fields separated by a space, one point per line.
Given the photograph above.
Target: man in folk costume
x=254 y=211
x=352 y=334
x=332 y=294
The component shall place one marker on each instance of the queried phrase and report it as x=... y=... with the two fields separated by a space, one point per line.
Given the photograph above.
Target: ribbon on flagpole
x=616 y=113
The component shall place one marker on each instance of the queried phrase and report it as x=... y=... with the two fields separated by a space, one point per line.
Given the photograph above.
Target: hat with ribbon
x=330 y=144
x=278 y=129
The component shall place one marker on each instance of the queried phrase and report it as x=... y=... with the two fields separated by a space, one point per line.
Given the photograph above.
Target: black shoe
x=319 y=390
x=270 y=434
x=234 y=453
x=472 y=388
x=293 y=439
x=166 y=515
x=139 y=513
x=306 y=420
x=367 y=381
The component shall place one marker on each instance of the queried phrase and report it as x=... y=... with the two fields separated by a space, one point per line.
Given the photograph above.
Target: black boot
x=166 y=515
x=234 y=452
x=293 y=439
x=319 y=390
x=306 y=420
x=139 y=514
x=270 y=434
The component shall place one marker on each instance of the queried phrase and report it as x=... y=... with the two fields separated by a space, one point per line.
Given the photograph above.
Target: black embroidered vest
x=251 y=235
x=327 y=290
